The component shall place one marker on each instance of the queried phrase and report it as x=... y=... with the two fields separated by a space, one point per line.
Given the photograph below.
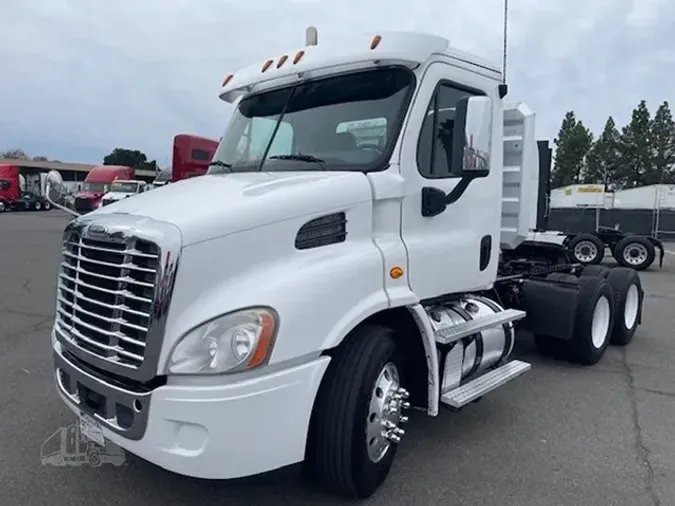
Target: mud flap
x=551 y=307
x=658 y=244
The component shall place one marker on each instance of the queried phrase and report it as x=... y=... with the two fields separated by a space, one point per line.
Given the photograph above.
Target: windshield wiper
x=219 y=163
x=301 y=158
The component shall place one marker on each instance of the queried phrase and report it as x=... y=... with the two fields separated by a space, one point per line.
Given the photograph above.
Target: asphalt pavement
x=559 y=435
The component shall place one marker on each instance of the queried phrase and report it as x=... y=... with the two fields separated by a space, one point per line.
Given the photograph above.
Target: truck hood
x=210 y=206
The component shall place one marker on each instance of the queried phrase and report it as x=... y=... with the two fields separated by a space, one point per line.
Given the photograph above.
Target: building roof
x=62 y=166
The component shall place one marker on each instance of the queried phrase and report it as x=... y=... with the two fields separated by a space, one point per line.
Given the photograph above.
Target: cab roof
x=407 y=48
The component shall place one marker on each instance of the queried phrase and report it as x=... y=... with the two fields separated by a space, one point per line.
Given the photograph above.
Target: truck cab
x=10 y=190
x=97 y=183
x=122 y=189
x=339 y=264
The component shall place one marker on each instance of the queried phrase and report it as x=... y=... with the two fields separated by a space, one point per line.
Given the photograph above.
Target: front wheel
x=357 y=416
x=587 y=249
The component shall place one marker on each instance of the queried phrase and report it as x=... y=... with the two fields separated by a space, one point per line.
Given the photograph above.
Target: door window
x=434 y=148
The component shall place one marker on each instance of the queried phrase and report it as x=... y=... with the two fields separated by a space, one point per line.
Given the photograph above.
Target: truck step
x=480 y=386
x=456 y=332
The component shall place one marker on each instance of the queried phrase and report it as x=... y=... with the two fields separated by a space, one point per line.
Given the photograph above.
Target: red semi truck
x=96 y=185
x=191 y=156
x=12 y=197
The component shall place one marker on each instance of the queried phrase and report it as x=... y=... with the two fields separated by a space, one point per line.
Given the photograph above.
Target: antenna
x=503 y=88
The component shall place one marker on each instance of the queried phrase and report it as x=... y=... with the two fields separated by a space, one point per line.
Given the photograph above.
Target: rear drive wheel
x=635 y=252
x=628 y=298
x=37 y=206
x=593 y=322
x=355 y=425
x=596 y=270
x=562 y=277
x=587 y=249
x=48 y=206
x=3 y=207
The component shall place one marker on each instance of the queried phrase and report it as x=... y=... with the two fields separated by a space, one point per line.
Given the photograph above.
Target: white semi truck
x=312 y=290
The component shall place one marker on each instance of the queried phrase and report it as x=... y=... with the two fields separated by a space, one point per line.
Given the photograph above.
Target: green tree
x=582 y=140
x=126 y=157
x=603 y=159
x=572 y=145
x=564 y=165
x=130 y=158
x=663 y=147
x=15 y=154
x=635 y=149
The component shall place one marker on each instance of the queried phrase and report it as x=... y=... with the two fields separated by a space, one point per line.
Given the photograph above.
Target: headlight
x=230 y=343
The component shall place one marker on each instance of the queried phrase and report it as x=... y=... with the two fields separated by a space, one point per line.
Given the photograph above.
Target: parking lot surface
x=559 y=435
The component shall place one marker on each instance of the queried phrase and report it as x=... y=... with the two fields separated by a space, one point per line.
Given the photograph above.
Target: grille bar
x=106 y=292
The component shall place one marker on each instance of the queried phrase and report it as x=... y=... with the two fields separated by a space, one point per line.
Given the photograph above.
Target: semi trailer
x=310 y=292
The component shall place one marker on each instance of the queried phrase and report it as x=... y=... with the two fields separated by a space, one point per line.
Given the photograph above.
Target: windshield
x=345 y=122
x=124 y=187
x=94 y=187
x=164 y=176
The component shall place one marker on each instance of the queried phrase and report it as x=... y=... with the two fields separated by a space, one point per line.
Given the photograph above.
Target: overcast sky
x=81 y=77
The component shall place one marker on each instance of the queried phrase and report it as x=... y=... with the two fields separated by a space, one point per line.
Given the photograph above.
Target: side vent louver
x=329 y=229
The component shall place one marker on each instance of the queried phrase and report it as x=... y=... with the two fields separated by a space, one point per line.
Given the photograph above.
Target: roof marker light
x=298 y=57
x=282 y=60
x=375 y=42
x=267 y=65
x=227 y=79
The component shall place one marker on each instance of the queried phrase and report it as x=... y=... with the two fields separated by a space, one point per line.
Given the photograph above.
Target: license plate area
x=91 y=429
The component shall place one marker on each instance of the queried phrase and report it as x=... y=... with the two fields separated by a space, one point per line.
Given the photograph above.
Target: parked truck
x=191 y=156
x=15 y=198
x=97 y=183
x=122 y=189
x=310 y=291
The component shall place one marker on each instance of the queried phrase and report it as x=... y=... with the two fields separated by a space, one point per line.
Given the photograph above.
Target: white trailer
x=308 y=293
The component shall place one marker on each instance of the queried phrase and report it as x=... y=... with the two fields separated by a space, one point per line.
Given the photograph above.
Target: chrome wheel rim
x=585 y=251
x=635 y=254
x=385 y=413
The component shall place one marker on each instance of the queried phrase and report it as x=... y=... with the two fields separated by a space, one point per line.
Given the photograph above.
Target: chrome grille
x=106 y=294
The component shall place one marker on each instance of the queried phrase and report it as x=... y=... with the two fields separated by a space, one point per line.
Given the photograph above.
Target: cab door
x=455 y=250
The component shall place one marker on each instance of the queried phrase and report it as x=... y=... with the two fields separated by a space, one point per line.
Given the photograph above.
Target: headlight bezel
x=259 y=355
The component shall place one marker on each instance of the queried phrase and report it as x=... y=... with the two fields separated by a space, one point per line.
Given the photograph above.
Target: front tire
x=587 y=249
x=355 y=425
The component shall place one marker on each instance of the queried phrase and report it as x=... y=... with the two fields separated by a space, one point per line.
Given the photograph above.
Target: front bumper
x=205 y=430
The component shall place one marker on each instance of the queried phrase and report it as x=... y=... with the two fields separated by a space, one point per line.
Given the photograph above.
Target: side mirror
x=472 y=137
x=56 y=190
x=471 y=149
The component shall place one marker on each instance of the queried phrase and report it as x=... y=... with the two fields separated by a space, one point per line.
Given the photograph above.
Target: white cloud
x=82 y=77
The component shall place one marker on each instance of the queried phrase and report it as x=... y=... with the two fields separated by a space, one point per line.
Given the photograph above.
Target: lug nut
x=403 y=392
x=394 y=438
x=403 y=419
x=398 y=431
x=405 y=405
x=388 y=424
